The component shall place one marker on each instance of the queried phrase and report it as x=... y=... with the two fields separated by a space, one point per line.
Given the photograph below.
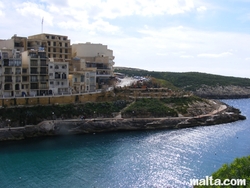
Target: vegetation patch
x=20 y=116
x=181 y=103
x=238 y=169
x=148 y=107
x=190 y=81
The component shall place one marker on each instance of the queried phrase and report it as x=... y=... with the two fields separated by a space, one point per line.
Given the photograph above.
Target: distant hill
x=202 y=84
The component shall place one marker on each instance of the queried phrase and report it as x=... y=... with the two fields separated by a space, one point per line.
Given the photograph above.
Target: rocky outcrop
x=223 y=92
x=65 y=127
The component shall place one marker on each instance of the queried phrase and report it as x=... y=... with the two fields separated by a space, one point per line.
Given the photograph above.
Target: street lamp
x=53 y=116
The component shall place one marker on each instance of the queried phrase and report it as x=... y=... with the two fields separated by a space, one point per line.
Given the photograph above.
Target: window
x=66 y=57
x=54 y=49
x=62 y=83
x=33 y=78
x=75 y=79
x=66 y=51
x=57 y=75
x=51 y=83
x=64 y=66
x=33 y=86
x=51 y=67
x=56 y=67
x=54 y=55
x=64 y=76
x=33 y=71
x=25 y=78
x=66 y=44
x=50 y=74
x=82 y=78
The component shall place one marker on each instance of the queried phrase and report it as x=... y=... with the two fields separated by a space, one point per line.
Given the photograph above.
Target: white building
x=58 y=77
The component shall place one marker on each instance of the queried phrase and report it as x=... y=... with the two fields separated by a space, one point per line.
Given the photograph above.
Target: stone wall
x=63 y=99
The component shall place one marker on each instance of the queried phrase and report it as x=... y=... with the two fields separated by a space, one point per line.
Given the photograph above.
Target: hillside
x=202 y=84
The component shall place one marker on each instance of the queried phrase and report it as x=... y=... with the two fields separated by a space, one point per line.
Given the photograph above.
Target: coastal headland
x=223 y=114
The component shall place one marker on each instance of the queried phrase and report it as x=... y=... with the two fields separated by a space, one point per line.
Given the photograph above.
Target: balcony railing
x=44 y=64
x=33 y=72
x=8 y=72
x=8 y=80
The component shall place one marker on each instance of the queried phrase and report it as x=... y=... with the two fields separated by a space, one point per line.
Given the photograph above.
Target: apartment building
x=43 y=65
x=10 y=72
x=55 y=46
x=96 y=57
x=81 y=80
x=16 y=42
x=58 y=77
x=35 y=73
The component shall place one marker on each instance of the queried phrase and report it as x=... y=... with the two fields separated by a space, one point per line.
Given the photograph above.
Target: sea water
x=161 y=158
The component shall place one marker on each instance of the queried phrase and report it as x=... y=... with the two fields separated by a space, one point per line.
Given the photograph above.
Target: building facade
x=55 y=46
x=35 y=66
x=96 y=57
x=10 y=72
x=58 y=77
x=46 y=64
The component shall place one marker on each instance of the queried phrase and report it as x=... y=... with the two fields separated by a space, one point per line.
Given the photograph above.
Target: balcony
x=44 y=64
x=8 y=72
x=8 y=88
x=34 y=80
x=33 y=64
x=44 y=72
x=34 y=72
x=8 y=80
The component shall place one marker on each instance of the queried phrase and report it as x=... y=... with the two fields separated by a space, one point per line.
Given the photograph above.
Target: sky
x=210 y=36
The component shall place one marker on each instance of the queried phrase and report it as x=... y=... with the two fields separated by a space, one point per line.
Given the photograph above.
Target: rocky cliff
x=65 y=127
x=223 y=92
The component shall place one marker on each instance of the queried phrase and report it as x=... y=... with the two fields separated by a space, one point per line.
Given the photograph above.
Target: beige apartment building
x=55 y=46
x=10 y=72
x=81 y=80
x=98 y=58
x=16 y=42
x=35 y=73
x=46 y=64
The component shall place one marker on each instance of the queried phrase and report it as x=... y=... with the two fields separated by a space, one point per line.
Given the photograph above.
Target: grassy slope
x=190 y=80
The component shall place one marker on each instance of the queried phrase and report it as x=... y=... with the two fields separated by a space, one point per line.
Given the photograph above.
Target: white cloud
x=224 y=54
x=162 y=54
x=187 y=56
x=2 y=14
x=29 y=9
x=201 y=9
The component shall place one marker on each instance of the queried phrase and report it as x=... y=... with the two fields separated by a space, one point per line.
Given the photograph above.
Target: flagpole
x=42 y=25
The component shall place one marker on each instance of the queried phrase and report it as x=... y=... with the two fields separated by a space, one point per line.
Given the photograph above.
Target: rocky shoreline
x=78 y=126
x=223 y=92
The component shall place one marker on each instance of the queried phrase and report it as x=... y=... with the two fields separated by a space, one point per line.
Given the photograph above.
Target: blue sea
x=161 y=158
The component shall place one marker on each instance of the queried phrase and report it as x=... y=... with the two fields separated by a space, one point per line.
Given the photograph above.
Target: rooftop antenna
x=42 y=25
